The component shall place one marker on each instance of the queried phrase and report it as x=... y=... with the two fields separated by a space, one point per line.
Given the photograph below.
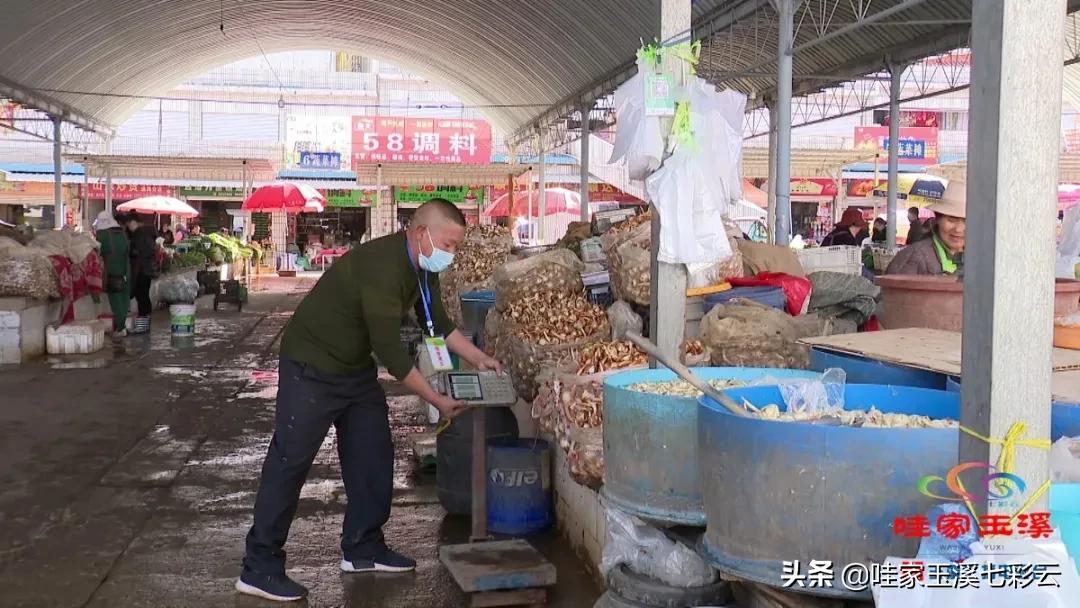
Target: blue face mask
x=438 y=261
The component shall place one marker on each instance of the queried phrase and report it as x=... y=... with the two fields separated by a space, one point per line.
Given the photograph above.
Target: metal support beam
x=896 y=72
x=542 y=183
x=584 y=160
x=771 y=218
x=58 y=173
x=667 y=298
x=53 y=107
x=1013 y=147
x=108 y=189
x=785 y=35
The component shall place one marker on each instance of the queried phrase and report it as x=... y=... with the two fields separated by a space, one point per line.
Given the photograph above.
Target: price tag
x=659 y=95
x=438 y=353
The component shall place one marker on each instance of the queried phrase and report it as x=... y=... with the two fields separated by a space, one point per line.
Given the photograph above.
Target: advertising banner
x=918 y=145
x=349 y=198
x=459 y=195
x=320 y=160
x=598 y=193
x=388 y=139
x=319 y=135
x=126 y=192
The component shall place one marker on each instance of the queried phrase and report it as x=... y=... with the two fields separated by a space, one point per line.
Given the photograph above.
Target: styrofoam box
x=80 y=338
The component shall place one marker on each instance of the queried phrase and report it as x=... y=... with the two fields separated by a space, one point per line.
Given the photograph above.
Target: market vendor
x=850 y=230
x=328 y=375
x=943 y=252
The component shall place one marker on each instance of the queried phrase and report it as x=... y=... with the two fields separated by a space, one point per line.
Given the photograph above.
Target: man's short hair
x=440 y=209
x=913 y=210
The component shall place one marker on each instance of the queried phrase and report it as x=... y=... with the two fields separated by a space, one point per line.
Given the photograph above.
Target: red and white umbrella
x=559 y=200
x=285 y=196
x=158 y=205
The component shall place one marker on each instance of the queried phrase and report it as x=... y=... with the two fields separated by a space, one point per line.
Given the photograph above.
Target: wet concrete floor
x=127 y=479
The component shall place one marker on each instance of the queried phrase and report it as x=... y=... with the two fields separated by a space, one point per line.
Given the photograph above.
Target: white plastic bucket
x=182 y=319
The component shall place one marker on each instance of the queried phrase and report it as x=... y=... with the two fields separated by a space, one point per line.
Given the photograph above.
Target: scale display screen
x=478 y=388
x=466 y=387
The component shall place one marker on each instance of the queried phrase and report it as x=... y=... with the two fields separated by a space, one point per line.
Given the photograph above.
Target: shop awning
x=187 y=168
x=415 y=174
x=1068 y=169
x=804 y=162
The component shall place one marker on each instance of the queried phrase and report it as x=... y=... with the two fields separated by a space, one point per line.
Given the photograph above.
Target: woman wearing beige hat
x=943 y=253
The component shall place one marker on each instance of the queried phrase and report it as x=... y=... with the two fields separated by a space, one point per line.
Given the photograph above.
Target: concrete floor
x=128 y=478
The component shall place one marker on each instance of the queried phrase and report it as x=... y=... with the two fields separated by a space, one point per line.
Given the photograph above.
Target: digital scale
x=477 y=388
x=491 y=573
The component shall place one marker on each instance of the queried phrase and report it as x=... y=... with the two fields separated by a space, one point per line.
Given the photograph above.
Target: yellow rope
x=1007 y=459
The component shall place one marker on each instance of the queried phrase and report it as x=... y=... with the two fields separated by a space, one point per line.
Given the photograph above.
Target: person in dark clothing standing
x=143 y=268
x=849 y=230
x=918 y=230
x=327 y=375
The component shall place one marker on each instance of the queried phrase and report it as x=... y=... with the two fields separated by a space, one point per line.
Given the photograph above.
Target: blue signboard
x=320 y=160
x=908 y=148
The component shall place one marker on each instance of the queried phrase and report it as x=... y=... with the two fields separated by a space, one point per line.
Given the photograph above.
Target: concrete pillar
x=771 y=104
x=58 y=173
x=667 y=310
x=584 y=160
x=894 y=151
x=1015 y=101
x=785 y=10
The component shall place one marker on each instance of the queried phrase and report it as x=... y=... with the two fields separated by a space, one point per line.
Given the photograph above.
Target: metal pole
x=584 y=160
x=542 y=187
x=528 y=201
x=108 y=188
x=88 y=221
x=58 y=173
x=894 y=151
x=771 y=104
x=786 y=28
x=511 y=217
x=1012 y=180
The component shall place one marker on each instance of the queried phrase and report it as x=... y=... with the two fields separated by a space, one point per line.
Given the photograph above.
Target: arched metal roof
x=516 y=56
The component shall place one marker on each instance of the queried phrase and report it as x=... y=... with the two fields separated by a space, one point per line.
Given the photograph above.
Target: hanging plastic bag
x=1068 y=250
x=817 y=396
x=650 y=552
x=639 y=141
x=623 y=319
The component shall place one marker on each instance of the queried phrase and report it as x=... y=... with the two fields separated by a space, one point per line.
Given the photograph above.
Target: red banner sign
x=126 y=192
x=917 y=118
x=388 y=139
x=918 y=145
x=812 y=186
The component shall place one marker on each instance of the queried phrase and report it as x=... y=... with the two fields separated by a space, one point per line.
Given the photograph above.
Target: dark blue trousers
x=308 y=402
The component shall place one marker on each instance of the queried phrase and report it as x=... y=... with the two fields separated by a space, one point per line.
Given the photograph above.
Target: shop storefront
x=470 y=199
x=343 y=222
x=214 y=205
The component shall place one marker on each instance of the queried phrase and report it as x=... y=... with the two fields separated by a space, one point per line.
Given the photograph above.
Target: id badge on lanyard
x=436 y=347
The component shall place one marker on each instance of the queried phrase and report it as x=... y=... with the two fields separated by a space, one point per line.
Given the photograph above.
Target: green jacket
x=115 y=250
x=356 y=309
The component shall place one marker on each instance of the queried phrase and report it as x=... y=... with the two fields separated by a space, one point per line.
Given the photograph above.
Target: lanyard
x=425 y=291
x=948 y=264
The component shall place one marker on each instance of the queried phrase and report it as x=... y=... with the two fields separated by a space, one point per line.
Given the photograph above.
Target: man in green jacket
x=327 y=375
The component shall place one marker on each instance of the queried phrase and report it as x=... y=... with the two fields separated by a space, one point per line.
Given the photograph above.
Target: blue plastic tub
x=769 y=296
x=1065 y=515
x=519 y=486
x=776 y=491
x=1064 y=415
x=861 y=370
x=650 y=444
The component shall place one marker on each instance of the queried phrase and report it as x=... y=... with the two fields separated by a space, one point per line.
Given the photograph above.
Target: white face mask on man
x=438 y=261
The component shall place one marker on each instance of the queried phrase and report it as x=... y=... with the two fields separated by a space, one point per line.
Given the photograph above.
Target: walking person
x=115 y=255
x=327 y=376
x=144 y=269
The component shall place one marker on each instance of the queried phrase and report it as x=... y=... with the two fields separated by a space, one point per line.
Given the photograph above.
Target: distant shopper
x=143 y=268
x=918 y=230
x=167 y=235
x=115 y=254
x=849 y=230
x=196 y=230
x=878 y=234
x=943 y=251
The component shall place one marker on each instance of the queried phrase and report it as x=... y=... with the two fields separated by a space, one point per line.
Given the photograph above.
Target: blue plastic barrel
x=778 y=491
x=474 y=310
x=861 y=370
x=1064 y=415
x=1065 y=514
x=769 y=296
x=519 y=486
x=651 y=466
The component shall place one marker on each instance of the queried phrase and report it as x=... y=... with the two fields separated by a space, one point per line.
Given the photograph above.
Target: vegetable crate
x=840 y=258
x=232 y=292
x=882 y=258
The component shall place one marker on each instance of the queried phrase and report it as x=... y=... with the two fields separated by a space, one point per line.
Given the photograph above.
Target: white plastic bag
x=650 y=552
x=623 y=319
x=1068 y=250
x=639 y=141
x=1065 y=460
x=824 y=395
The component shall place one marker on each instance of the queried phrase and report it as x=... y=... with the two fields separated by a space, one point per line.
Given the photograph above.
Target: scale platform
x=499 y=573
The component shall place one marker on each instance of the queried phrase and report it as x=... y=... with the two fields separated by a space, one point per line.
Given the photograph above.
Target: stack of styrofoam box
x=81 y=338
x=579 y=513
x=9 y=338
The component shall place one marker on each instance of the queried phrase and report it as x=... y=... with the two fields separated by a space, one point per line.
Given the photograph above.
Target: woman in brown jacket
x=943 y=252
